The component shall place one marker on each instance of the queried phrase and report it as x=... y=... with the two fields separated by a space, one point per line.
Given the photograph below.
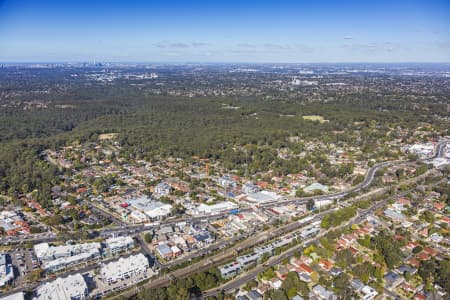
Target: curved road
x=49 y=237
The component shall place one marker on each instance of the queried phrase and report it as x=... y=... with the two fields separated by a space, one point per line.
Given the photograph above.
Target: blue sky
x=225 y=31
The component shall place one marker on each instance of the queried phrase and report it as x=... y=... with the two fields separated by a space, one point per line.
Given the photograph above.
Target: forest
x=243 y=138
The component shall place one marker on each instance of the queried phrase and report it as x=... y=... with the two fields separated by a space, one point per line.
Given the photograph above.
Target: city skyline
x=264 y=31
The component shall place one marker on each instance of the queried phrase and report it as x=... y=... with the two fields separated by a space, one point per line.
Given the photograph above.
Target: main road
x=131 y=228
x=237 y=282
x=48 y=237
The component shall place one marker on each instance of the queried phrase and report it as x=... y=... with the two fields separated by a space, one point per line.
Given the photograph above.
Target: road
x=126 y=229
x=231 y=252
x=235 y=283
x=82 y=269
x=439 y=152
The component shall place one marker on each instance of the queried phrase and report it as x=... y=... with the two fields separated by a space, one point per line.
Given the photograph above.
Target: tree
x=388 y=247
x=300 y=193
x=35 y=275
x=278 y=295
x=310 y=204
x=290 y=284
x=345 y=258
x=250 y=285
x=342 y=284
x=148 y=237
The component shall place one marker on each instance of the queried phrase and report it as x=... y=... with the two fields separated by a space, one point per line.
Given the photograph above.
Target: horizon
x=225 y=32
x=229 y=62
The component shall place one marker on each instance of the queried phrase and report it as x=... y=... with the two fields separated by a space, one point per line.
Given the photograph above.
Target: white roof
x=43 y=250
x=115 y=269
x=263 y=196
x=316 y=186
x=118 y=242
x=322 y=203
x=150 y=207
x=160 y=211
x=62 y=288
x=16 y=296
x=62 y=261
x=175 y=249
x=138 y=215
x=218 y=207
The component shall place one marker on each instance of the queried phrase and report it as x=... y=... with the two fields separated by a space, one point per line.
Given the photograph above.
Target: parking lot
x=24 y=262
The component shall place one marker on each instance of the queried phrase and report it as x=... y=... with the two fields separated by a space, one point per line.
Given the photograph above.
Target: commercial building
x=124 y=268
x=309 y=232
x=55 y=258
x=153 y=209
x=72 y=287
x=262 y=197
x=118 y=244
x=248 y=259
x=44 y=251
x=16 y=296
x=216 y=208
x=164 y=251
x=6 y=271
x=138 y=216
x=230 y=270
x=422 y=150
x=316 y=187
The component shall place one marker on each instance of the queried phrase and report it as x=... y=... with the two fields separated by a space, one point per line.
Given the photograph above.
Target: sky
x=225 y=31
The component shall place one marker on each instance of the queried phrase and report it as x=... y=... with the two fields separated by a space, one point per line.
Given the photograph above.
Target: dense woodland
x=246 y=137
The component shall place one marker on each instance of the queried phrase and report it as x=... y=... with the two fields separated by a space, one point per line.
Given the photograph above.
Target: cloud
x=199 y=44
x=348 y=37
x=246 y=45
x=168 y=44
x=276 y=46
x=173 y=54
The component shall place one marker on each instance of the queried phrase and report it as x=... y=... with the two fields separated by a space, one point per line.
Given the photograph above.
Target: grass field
x=315 y=118
x=107 y=136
